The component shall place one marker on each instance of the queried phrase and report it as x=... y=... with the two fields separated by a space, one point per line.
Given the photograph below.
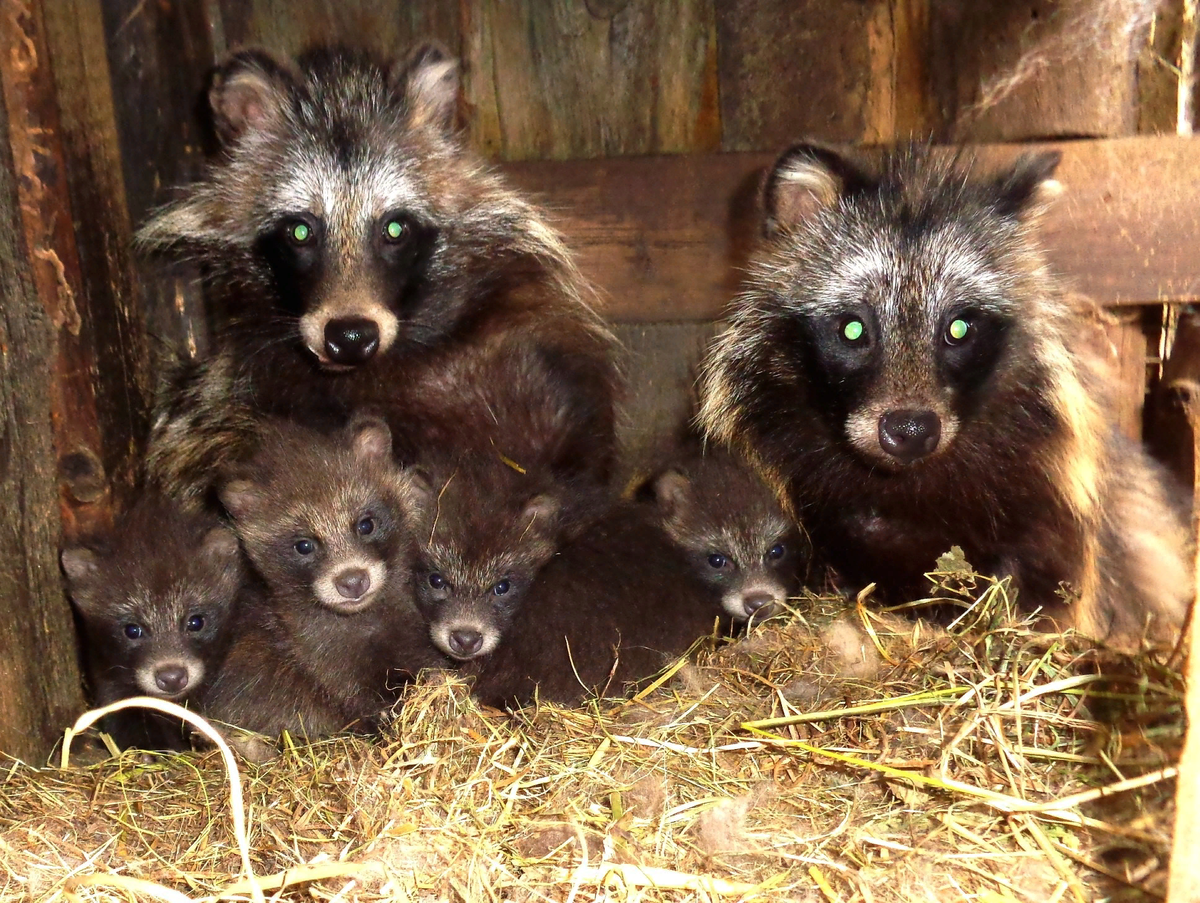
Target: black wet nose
x=171 y=679
x=351 y=340
x=908 y=435
x=754 y=602
x=465 y=642
x=352 y=584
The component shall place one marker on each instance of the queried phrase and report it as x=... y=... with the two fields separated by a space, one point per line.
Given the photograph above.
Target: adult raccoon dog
x=327 y=522
x=905 y=370
x=361 y=258
x=157 y=598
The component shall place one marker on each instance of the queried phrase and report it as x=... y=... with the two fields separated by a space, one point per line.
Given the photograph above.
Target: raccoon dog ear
x=1028 y=186
x=430 y=85
x=670 y=492
x=240 y=498
x=219 y=543
x=804 y=180
x=250 y=92
x=541 y=511
x=81 y=565
x=370 y=437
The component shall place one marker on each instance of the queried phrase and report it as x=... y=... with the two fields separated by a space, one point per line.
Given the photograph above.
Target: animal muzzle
x=351 y=341
x=465 y=643
x=171 y=678
x=908 y=435
x=352 y=583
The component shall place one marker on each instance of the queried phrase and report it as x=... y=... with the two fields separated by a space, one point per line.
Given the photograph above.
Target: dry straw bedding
x=836 y=754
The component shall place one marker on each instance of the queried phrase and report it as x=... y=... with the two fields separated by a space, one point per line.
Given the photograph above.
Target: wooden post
x=74 y=351
x=1184 y=882
x=39 y=677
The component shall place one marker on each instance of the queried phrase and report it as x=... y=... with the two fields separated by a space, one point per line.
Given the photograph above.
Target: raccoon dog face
x=339 y=179
x=896 y=298
x=733 y=531
x=156 y=600
x=326 y=520
x=488 y=535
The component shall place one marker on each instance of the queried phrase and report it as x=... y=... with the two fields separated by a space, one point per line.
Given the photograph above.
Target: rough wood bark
x=46 y=223
x=39 y=673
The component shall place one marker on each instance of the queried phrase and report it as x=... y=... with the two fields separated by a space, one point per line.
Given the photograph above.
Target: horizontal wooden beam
x=665 y=237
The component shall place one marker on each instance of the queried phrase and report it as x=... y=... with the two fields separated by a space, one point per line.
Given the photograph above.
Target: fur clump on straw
x=837 y=753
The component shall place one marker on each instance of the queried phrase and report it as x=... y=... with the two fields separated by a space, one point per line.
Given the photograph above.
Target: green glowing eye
x=959 y=330
x=853 y=330
x=394 y=229
x=301 y=233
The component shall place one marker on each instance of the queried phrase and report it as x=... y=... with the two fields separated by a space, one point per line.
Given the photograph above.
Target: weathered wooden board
x=794 y=67
x=664 y=236
x=39 y=674
x=659 y=361
x=108 y=296
x=1008 y=70
x=601 y=78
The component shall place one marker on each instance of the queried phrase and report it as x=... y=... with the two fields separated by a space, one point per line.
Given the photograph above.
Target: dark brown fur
x=337 y=633
x=484 y=336
x=613 y=607
x=157 y=597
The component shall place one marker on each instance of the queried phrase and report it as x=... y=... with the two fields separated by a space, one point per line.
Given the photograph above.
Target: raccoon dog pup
x=363 y=259
x=614 y=606
x=733 y=530
x=157 y=598
x=489 y=531
x=327 y=524
x=906 y=372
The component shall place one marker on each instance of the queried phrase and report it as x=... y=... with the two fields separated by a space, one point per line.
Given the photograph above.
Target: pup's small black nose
x=352 y=584
x=171 y=679
x=466 y=642
x=909 y=435
x=351 y=340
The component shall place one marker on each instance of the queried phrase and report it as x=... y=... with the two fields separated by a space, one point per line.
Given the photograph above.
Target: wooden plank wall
x=102 y=96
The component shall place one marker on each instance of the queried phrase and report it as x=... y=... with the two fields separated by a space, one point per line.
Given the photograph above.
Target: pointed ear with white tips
x=250 y=92
x=240 y=498
x=806 y=179
x=1028 y=187
x=431 y=83
x=371 y=438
